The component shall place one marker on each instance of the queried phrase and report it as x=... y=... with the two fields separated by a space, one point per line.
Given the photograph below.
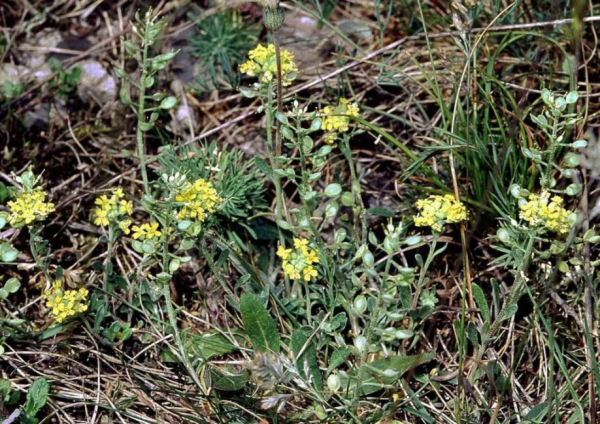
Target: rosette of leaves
x=220 y=45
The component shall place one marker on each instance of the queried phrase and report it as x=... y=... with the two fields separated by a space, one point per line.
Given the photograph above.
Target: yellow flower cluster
x=436 y=211
x=146 y=231
x=29 y=206
x=336 y=119
x=263 y=64
x=298 y=262
x=198 y=200
x=543 y=211
x=65 y=303
x=113 y=209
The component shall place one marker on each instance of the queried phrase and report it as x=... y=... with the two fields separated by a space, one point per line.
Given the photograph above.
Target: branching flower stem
x=171 y=313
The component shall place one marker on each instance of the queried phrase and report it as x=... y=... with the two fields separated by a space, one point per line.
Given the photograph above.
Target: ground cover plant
x=301 y=211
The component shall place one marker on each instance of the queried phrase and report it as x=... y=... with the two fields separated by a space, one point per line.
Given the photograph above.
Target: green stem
x=273 y=156
x=359 y=209
x=423 y=272
x=141 y=117
x=279 y=92
x=108 y=257
x=41 y=263
x=516 y=290
x=169 y=302
x=178 y=341
x=551 y=153
x=279 y=201
x=213 y=269
x=363 y=354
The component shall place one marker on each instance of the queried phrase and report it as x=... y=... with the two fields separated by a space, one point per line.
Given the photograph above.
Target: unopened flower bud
x=273 y=18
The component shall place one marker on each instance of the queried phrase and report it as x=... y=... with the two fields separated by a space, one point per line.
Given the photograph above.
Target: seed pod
x=360 y=343
x=360 y=304
x=273 y=18
x=503 y=235
x=334 y=383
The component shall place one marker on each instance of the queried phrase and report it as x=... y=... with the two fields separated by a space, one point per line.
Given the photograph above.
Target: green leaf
x=248 y=92
x=3 y=294
x=259 y=325
x=184 y=225
x=388 y=370
x=281 y=118
x=125 y=93
x=145 y=126
x=508 y=312
x=381 y=212
x=573 y=189
x=333 y=190
x=338 y=357
x=287 y=133
x=572 y=97
x=263 y=166
x=284 y=225
x=168 y=103
x=315 y=125
x=7 y=252
x=4 y=390
x=149 y=247
x=148 y=81
x=3 y=219
x=209 y=345
x=174 y=265
x=137 y=246
x=12 y=285
x=228 y=379
x=332 y=209
x=537 y=412
x=164 y=277
x=473 y=334
x=161 y=61
x=481 y=302
x=186 y=244
x=37 y=396
x=306 y=353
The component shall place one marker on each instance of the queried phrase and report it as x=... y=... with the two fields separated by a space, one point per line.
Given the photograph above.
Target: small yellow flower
x=542 y=212
x=126 y=207
x=336 y=119
x=29 y=206
x=283 y=253
x=139 y=232
x=65 y=303
x=105 y=202
x=262 y=63
x=297 y=262
x=113 y=209
x=118 y=192
x=437 y=211
x=124 y=226
x=198 y=200
x=101 y=216
x=152 y=230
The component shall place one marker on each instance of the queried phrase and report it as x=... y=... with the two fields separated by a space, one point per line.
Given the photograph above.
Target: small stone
x=12 y=73
x=95 y=83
